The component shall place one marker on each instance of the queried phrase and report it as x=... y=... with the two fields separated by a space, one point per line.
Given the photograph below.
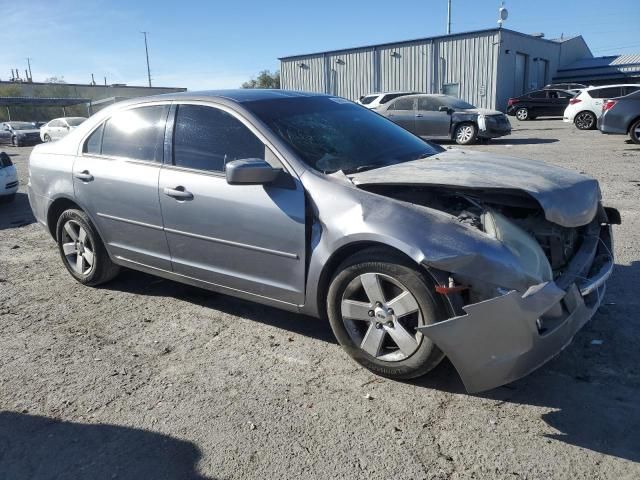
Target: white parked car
x=59 y=127
x=375 y=100
x=584 y=109
x=8 y=179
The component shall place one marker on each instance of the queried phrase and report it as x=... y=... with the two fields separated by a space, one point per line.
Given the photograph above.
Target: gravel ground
x=146 y=378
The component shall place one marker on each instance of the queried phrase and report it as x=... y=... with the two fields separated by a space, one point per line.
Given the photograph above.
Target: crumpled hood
x=567 y=198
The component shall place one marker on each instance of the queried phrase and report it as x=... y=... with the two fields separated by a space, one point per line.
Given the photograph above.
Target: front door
x=248 y=238
x=116 y=180
x=5 y=133
x=430 y=122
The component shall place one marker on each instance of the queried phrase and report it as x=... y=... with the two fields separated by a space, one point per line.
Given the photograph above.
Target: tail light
x=573 y=101
x=608 y=105
x=512 y=101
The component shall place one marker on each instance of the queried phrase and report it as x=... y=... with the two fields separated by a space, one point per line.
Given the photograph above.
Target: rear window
x=538 y=94
x=137 y=133
x=390 y=96
x=75 y=121
x=609 y=92
x=367 y=100
x=402 y=104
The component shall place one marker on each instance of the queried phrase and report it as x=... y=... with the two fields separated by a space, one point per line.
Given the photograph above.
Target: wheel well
x=631 y=123
x=55 y=210
x=330 y=268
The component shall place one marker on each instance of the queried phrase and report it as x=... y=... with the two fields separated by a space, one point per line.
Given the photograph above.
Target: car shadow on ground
x=141 y=283
x=501 y=141
x=16 y=213
x=592 y=388
x=38 y=447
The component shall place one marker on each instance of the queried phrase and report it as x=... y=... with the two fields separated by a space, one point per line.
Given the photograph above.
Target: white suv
x=374 y=100
x=585 y=108
x=8 y=179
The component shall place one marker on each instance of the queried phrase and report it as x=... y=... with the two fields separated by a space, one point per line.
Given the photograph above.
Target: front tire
x=465 y=134
x=374 y=304
x=15 y=142
x=82 y=250
x=634 y=132
x=585 y=121
x=47 y=138
x=522 y=114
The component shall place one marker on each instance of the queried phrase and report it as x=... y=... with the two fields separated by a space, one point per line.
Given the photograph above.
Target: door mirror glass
x=251 y=171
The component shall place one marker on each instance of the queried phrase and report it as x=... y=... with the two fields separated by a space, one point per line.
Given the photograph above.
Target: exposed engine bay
x=513 y=217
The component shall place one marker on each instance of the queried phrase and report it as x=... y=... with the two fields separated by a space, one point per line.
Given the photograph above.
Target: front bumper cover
x=505 y=338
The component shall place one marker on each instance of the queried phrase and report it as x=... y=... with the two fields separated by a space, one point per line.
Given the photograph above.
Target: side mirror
x=444 y=108
x=250 y=171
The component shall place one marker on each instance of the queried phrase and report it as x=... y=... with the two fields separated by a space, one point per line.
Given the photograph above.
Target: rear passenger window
x=403 y=104
x=93 y=145
x=611 y=92
x=207 y=138
x=428 y=104
x=538 y=94
x=137 y=133
x=628 y=90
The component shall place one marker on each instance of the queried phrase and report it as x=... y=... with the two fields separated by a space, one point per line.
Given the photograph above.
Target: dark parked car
x=539 y=103
x=572 y=87
x=19 y=133
x=445 y=117
x=621 y=116
x=316 y=205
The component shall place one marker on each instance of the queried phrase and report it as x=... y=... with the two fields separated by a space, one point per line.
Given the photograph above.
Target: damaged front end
x=498 y=333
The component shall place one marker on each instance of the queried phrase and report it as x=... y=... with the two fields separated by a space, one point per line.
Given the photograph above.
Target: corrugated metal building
x=484 y=67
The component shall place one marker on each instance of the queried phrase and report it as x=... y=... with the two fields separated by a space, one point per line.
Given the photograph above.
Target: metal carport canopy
x=41 y=101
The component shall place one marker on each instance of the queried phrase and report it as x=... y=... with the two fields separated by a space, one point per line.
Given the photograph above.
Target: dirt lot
x=146 y=378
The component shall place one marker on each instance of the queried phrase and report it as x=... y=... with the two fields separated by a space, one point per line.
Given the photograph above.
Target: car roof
x=240 y=95
x=598 y=87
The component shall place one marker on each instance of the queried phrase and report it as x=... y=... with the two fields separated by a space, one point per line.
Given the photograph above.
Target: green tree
x=265 y=79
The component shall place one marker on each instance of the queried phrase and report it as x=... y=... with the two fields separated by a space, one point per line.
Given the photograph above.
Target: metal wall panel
x=405 y=67
x=351 y=74
x=305 y=74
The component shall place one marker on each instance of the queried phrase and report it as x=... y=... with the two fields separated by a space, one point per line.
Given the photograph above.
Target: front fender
x=344 y=215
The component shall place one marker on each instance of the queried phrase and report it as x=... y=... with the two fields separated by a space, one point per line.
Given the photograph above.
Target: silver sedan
x=317 y=205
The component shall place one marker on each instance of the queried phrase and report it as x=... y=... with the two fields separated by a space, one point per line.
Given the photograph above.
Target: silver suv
x=317 y=205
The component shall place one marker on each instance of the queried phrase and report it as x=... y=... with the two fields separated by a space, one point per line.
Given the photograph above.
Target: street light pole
x=146 y=49
x=449 y=17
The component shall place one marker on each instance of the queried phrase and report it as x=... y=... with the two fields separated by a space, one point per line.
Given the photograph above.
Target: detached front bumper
x=492 y=127
x=505 y=338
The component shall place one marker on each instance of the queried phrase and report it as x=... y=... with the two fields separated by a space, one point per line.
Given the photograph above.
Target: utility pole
x=449 y=17
x=146 y=49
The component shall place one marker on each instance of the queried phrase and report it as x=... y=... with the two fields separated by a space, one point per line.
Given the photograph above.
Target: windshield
x=456 y=103
x=22 y=125
x=75 y=121
x=331 y=134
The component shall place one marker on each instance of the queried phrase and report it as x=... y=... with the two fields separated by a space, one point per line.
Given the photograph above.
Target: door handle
x=418 y=115
x=85 y=176
x=179 y=193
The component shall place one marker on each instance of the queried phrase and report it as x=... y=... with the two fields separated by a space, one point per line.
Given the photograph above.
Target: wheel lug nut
x=390 y=324
x=378 y=325
x=371 y=313
x=390 y=311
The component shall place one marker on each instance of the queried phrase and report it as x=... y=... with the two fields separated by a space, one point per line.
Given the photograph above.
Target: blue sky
x=211 y=44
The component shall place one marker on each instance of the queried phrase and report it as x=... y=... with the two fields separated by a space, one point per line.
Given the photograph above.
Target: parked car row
x=21 y=134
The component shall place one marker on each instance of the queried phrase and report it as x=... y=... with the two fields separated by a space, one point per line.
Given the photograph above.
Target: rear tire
x=522 y=114
x=82 y=250
x=7 y=198
x=634 y=132
x=47 y=138
x=585 y=121
x=387 y=342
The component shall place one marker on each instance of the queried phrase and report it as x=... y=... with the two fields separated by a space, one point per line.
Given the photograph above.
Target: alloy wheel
x=584 y=121
x=522 y=114
x=381 y=316
x=77 y=248
x=464 y=134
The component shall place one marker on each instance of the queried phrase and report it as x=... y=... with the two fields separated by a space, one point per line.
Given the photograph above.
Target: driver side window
x=207 y=138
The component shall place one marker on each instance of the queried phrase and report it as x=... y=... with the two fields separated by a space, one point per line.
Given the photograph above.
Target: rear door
x=402 y=111
x=248 y=238
x=5 y=133
x=558 y=101
x=430 y=122
x=116 y=181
